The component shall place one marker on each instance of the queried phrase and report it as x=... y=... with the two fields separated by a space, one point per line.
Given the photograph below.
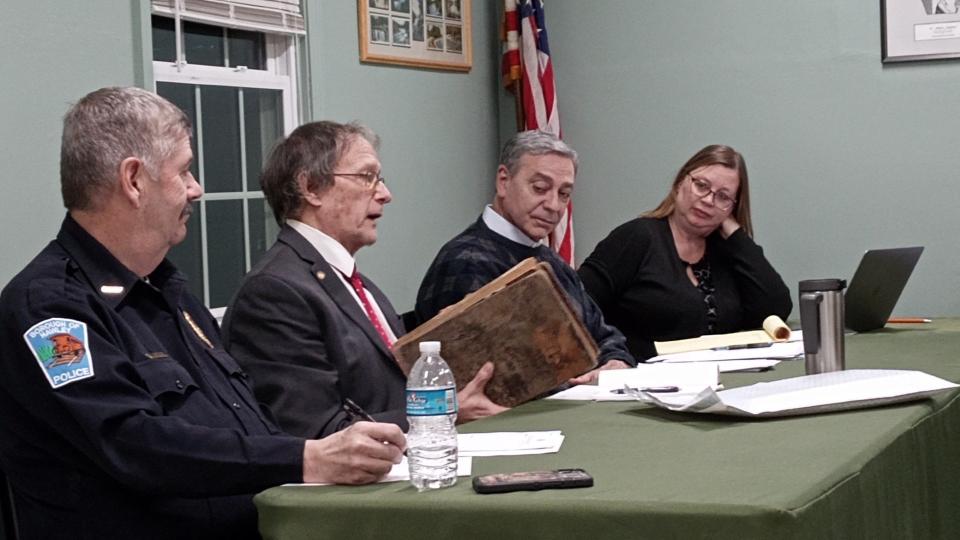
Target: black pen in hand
x=355 y=412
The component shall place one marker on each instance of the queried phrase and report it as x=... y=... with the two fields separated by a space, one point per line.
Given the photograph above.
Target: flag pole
x=512 y=60
x=519 y=104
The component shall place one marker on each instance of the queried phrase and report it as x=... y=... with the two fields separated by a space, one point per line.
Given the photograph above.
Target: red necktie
x=371 y=314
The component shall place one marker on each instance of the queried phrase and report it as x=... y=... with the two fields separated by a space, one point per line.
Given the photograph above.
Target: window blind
x=276 y=16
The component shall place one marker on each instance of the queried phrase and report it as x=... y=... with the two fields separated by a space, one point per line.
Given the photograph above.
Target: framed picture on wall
x=920 y=29
x=419 y=33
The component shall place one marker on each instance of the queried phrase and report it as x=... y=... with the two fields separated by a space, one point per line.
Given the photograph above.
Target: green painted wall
x=844 y=153
x=439 y=129
x=439 y=138
x=53 y=54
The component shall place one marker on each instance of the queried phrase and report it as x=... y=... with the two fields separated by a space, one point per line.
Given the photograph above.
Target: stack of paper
x=401 y=471
x=824 y=392
x=689 y=379
x=509 y=443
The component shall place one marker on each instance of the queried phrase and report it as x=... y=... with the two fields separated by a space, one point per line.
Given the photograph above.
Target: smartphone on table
x=532 y=481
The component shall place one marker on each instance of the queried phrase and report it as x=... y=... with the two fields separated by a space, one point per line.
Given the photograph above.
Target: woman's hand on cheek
x=728 y=227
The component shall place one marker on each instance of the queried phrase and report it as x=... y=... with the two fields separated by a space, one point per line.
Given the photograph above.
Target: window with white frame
x=231 y=65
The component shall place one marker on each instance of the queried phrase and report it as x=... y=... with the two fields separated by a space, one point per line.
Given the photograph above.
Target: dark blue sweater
x=478 y=255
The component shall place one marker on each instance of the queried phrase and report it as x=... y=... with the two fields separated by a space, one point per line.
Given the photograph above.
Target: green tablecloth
x=889 y=472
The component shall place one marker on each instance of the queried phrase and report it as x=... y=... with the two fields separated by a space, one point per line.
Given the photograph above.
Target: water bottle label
x=431 y=402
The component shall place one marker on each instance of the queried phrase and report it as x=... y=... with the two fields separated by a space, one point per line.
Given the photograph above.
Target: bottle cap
x=429 y=346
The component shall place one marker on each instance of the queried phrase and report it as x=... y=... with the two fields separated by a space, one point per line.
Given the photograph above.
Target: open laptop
x=876 y=286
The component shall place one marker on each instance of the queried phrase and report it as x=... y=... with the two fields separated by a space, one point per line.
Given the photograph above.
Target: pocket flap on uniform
x=164 y=376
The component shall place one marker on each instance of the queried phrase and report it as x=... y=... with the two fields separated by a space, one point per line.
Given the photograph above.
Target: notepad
x=774 y=330
x=775 y=351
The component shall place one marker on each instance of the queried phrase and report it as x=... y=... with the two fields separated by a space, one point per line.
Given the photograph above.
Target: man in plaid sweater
x=534 y=182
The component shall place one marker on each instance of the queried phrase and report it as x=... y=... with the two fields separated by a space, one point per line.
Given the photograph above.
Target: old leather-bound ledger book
x=522 y=322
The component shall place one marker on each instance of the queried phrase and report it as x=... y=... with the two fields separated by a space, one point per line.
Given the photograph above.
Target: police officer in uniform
x=122 y=415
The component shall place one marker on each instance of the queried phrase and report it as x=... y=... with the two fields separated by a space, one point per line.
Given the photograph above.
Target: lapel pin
x=196 y=329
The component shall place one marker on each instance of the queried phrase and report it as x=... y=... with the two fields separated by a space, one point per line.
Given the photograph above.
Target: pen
x=908 y=320
x=652 y=389
x=356 y=412
x=744 y=346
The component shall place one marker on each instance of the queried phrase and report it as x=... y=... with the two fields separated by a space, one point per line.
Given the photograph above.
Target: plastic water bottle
x=432 y=415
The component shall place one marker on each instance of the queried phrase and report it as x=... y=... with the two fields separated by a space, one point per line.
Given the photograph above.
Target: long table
x=888 y=472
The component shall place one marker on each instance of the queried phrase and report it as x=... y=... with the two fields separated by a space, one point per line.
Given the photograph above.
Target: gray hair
x=107 y=126
x=535 y=143
x=313 y=149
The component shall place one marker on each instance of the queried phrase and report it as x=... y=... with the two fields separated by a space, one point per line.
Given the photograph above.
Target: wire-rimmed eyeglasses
x=702 y=188
x=369 y=180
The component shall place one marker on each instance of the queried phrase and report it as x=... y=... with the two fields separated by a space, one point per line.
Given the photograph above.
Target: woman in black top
x=690 y=266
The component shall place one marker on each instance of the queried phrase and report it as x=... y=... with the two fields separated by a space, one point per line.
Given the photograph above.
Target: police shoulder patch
x=61 y=348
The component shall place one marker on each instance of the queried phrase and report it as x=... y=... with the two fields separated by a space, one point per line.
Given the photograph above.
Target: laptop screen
x=876 y=286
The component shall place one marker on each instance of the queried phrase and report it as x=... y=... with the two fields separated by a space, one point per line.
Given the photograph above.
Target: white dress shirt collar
x=332 y=251
x=504 y=228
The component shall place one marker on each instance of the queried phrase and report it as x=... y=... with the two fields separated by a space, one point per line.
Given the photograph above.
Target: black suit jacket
x=307 y=344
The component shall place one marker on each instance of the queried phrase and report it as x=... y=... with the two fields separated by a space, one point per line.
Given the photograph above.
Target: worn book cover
x=522 y=322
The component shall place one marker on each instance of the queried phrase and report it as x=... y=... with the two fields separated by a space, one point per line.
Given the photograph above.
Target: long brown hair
x=715 y=154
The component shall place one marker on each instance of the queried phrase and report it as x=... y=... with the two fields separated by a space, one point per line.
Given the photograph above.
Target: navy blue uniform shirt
x=122 y=415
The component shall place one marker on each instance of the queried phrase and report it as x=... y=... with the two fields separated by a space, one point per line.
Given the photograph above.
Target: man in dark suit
x=308 y=327
x=123 y=417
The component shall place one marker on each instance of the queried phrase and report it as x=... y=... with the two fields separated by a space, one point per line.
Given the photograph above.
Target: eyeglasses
x=701 y=188
x=369 y=180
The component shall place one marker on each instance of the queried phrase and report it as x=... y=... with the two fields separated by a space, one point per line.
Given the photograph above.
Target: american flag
x=526 y=59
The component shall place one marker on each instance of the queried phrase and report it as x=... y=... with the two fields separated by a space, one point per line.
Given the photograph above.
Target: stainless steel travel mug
x=821 y=319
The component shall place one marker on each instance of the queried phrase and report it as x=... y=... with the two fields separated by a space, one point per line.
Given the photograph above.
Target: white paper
x=507 y=443
x=401 y=471
x=835 y=391
x=758 y=364
x=689 y=377
x=589 y=392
